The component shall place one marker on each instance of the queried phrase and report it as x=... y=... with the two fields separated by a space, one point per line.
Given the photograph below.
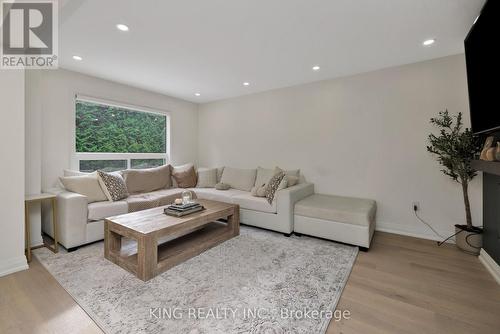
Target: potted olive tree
x=455 y=148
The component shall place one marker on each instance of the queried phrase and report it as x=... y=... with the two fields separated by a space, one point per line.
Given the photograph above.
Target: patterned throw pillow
x=273 y=185
x=113 y=186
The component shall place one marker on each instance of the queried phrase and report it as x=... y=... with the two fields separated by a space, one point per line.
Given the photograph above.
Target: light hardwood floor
x=402 y=285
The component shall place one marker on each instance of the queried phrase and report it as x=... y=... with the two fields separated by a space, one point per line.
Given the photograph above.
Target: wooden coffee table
x=187 y=236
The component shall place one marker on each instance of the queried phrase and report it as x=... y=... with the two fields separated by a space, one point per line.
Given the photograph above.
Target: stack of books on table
x=179 y=210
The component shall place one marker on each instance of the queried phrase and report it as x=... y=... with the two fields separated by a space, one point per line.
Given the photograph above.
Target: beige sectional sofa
x=81 y=222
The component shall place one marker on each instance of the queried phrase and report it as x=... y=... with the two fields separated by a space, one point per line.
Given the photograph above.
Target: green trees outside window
x=112 y=138
x=108 y=129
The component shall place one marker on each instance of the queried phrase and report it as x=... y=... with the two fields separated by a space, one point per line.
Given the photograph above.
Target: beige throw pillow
x=259 y=191
x=179 y=169
x=292 y=177
x=292 y=180
x=147 y=180
x=87 y=185
x=185 y=178
x=207 y=178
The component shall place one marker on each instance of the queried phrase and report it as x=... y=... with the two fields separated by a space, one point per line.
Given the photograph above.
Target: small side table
x=39 y=198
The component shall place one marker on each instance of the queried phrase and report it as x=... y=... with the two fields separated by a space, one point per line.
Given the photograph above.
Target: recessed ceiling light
x=429 y=42
x=77 y=58
x=197 y=94
x=122 y=27
x=246 y=84
x=316 y=68
x=475 y=20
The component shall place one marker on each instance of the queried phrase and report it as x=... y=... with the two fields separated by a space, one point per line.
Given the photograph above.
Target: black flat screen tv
x=483 y=61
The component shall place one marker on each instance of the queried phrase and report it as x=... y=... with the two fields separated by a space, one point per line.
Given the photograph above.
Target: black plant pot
x=469 y=240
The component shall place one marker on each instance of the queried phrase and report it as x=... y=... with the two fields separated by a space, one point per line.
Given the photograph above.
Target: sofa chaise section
x=345 y=219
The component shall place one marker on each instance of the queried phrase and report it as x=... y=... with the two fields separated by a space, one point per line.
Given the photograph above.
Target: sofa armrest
x=286 y=199
x=72 y=218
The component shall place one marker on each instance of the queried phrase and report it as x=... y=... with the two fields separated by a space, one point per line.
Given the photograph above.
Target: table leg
x=54 y=224
x=112 y=241
x=147 y=257
x=234 y=222
x=27 y=231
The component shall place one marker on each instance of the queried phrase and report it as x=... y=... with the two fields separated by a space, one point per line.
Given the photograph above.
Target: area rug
x=258 y=282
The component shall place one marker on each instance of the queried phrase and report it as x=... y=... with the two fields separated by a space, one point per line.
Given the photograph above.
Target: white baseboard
x=13 y=265
x=37 y=243
x=490 y=265
x=416 y=233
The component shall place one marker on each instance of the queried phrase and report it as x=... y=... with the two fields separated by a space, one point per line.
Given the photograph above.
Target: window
x=112 y=137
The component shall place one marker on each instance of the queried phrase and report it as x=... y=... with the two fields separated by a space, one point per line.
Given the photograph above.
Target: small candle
x=178 y=201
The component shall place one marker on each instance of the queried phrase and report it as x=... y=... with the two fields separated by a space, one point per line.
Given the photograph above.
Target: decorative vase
x=497 y=154
x=469 y=240
x=487 y=145
x=187 y=197
x=490 y=154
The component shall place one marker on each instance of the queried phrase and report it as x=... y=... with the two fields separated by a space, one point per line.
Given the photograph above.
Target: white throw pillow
x=87 y=185
x=207 y=178
x=219 y=173
x=237 y=178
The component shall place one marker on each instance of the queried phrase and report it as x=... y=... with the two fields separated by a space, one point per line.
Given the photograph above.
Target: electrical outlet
x=415 y=206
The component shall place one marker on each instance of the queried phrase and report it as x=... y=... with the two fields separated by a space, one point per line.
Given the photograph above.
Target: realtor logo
x=29 y=34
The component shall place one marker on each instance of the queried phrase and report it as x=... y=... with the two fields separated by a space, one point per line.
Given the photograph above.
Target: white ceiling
x=179 y=47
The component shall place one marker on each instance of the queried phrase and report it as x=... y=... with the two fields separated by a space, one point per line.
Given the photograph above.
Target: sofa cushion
x=218 y=195
x=153 y=199
x=237 y=178
x=263 y=176
x=249 y=202
x=207 y=178
x=337 y=208
x=147 y=180
x=87 y=185
x=101 y=210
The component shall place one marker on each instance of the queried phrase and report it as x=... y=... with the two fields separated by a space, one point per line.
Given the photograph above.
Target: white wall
x=12 y=169
x=33 y=146
x=58 y=89
x=50 y=98
x=362 y=136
